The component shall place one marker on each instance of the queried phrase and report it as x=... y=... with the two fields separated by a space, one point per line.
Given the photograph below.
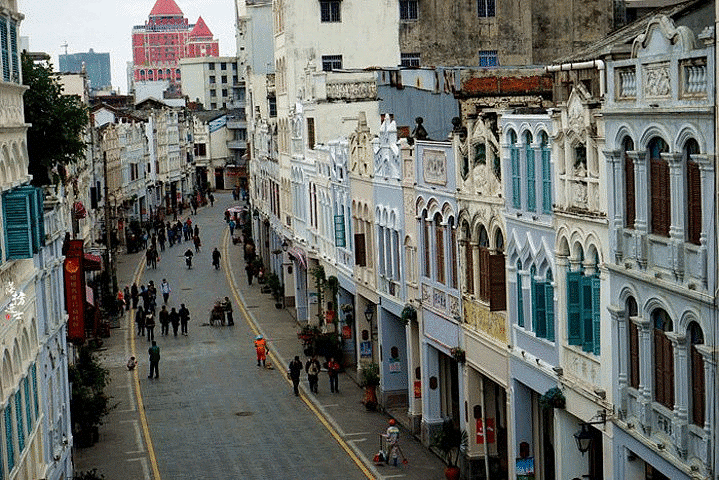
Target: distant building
x=167 y=37
x=213 y=82
x=97 y=66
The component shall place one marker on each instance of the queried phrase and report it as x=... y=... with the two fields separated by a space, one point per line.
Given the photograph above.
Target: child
x=132 y=363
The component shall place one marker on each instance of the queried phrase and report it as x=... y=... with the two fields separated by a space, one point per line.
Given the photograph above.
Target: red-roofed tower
x=166 y=37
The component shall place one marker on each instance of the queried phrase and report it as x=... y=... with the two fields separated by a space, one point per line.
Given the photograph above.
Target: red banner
x=75 y=291
x=418 y=389
x=481 y=432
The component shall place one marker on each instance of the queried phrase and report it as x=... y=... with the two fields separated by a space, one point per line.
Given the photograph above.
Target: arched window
x=546 y=173
x=427 y=246
x=468 y=258
x=629 y=193
x=483 y=264
x=381 y=249
x=663 y=359
x=694 y=194
x=439 y=247
x=516 y=176
x=660 y=188
x=696 y=377
x=631 y=311
x=531 y=177
x=452 y=253
x=583 y=306
x=542 y=305
x=520 y=298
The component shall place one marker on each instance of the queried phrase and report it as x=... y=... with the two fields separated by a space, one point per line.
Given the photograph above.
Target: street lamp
x=584 y=436
x=284 y=245
x=368 y=314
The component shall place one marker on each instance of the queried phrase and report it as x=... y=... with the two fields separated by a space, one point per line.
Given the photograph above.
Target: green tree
x=58 y=123
x=88 y=401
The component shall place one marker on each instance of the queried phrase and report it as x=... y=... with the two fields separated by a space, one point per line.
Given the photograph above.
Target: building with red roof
x=164 y=39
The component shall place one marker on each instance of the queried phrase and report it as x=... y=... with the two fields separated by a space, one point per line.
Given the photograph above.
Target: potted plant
x=458 y=354
x=370 y=381
x=553 y=398
x=409 y=313
x=450 y=441
x=307 y=334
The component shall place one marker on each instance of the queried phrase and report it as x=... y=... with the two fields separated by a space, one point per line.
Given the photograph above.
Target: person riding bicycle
x=216 y=258
x=188 y=257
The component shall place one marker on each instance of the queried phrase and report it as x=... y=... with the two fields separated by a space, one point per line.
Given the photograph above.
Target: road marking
x=143 y=463
x=138 y=394
x=358 y=433
x=275 y=360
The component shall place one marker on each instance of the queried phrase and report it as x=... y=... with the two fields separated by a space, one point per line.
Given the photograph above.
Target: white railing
x=695 y=79
x=627 y=83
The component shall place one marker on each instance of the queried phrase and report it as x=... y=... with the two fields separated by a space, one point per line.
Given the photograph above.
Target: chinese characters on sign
x=17 y=300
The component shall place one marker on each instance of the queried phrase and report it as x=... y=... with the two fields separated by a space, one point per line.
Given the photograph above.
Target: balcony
x=236 y=123
x=237 y=144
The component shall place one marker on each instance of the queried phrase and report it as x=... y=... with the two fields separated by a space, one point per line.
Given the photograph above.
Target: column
x=678 y=194
x=646 y=373
x=681 y=392
x=641 y=194
x=706 y=171
x=708 y=354
x=620 y=369
x=615 y=202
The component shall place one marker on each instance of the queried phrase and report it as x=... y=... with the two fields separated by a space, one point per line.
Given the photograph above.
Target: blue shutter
x=18 y=229
x=340 y=240
x=28 y=410
x=18 y=418
x=9 y=436
x=574 y=329
x=531 y=180
x=516 y=179
x=520 y=302
x=15 y=77
x=546 y=181
x=539 y=309
x=4 y=46
x=34 y=390
x=37 y=215
x=549 y=302
x=596 y=312
x=587 y=314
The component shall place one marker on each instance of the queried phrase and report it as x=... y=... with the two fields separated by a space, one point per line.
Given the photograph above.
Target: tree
x=88 y=402
x=58 y=123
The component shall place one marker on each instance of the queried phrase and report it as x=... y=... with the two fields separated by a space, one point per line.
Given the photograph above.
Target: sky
x=106 y=25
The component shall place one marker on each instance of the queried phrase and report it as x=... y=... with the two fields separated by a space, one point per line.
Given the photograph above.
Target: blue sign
x=365 y=349
x=218 y=123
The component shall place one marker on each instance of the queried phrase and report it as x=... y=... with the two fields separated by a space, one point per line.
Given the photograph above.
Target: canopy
x=238 y=209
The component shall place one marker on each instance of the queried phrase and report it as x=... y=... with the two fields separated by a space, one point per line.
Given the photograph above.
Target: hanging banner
x=418 y=389
x=75 y=291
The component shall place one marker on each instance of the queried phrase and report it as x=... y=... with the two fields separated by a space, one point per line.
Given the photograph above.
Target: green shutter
x=9 y=444
x=587 y=326
x=18 y=228
x=40 y=221
x=539 y=309
x=574 y=328
x=340 y=239
x=531 y=181
x=4 y=47
x=520 y=302
x=596 y=313
x=546 y=181
x=549 y=302
x=28 y=410
x=516 y=179
x=18 y=419
x=36 y=402
x=15 y=77
x=37 y=215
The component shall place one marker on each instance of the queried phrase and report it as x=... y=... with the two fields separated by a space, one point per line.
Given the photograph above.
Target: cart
x=217 y=314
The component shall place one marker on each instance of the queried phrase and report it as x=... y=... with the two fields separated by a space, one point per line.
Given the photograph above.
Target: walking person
x=154 y=352
x=312 y=367
x=232 y=227
x=295 y=370
x=392 y=436
x=140 y=320
x=128 y=299
x=174 y=320
x=134 y=295
x=150 y=324
x=333 y=370
x=261 y=349
x=216 y=258
x=250 y=271
x=165 y=289
x=184 y=318
x=227 y=305
x=164 y=321
x=197 y=243
x=161 y=239
x=212 y=199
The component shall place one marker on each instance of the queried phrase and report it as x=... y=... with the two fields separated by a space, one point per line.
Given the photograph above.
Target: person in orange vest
x=261 y=348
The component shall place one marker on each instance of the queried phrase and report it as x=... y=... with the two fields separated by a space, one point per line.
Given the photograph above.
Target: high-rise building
x=167 y=36
x=97 y=66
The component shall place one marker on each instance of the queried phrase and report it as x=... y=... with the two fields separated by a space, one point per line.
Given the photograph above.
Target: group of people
x=145 y=314
x=312 y=367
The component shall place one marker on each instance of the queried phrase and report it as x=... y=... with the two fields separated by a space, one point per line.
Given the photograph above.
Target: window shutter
x=516 y=180
x=28 y=410
x=498 y=286
x=34 y=390
x=698 y=402
x=633 y=355
x=37 y=215
x=520 y=302
x=539 y=309
x=14 y=53
x=427 y=256
x=596 y=314
x=668 y=372
x=453 y=257
x=360 y=254
x=18 y=229
x=659 y=366
x=4 y=45
x=574 y=329
x=629 y=195
x=694 y=203
x=18 y=419
x=586 y=325
x=660 y=197
x=469 y=261
x=439 y=251
x=546 y=181
x=484 y=273
x=531 y=181
x=9 y=444
x=549 y=316
x=310 y=133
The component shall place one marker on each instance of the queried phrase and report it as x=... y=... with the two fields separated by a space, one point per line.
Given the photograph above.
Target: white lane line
x=138 y=435
x=357 y=433
x=143 y=463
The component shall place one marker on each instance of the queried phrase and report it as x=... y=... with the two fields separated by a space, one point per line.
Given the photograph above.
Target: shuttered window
x=28 y=409
x=427 y=248
x=439 y=247
x=694 y=203
x=629 y=194
x=660 y=188
x=19 y=420
x=520 y=297
x=583 y=312
x=453 y=256
x=498 y=285
x=14 y=55
x=36 y=402
x=484 y=274
x=698 y=396
x=543 y=307
x=549 y=304
x=631 y=311
x=469 y=266
x=546 y=175
x=574 y=308
x=531 y=177
x=18 y=225
x=9 y=437
x=310 y=133
x=5 y=48
x=663 y=360
x=360 y=251
x=516 y=178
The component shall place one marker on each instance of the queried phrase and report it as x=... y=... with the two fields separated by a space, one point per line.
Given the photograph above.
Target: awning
x=299 y=255
x=92 y=263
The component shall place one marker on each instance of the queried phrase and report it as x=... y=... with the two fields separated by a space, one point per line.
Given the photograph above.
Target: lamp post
x=584 y=436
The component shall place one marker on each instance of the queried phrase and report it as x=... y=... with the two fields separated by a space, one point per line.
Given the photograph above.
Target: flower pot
x=451 y=473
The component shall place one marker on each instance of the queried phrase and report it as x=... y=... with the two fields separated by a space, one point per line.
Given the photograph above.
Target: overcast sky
x=105 y=26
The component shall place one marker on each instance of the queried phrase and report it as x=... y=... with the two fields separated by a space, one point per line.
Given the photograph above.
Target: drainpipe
x=598 y=64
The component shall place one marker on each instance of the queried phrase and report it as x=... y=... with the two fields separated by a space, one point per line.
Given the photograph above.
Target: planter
x=452 y=473
x=278 y=305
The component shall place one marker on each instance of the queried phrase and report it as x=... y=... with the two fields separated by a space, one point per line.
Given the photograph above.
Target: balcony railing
x=237 y=144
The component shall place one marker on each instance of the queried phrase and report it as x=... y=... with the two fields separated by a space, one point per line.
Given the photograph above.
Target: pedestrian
x=193 y=204
x=232 y=227
x=165 y=289
x=197 y=231
x=174 y=320
x=212 y=199
x=171 y=237
x=150 y=324
x=261 y=349
x=294 y=374
x=164 y=321
x=131 y=363
x=184 y=318
x=250 y=273
x=161 y=239
x=392 y=436
x=216 y=258
x=227 y=305
x=128 y=299
x=227 y=216
x=152 y=294
x=154 y=352
x=134 y=295
x=333 y=370
x=312 y=367
x=196 y=240
x=145 y=295
x=140 y=320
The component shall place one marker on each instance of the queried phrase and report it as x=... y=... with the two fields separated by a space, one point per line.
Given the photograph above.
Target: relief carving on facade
x=582 y=367
x=352 y=91
x=426 y=294
x=439 y=300
x=490 y=323
x=657 y=83
x=435 y=166
x=579 y=194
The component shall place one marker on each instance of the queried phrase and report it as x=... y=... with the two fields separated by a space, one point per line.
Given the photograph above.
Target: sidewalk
x=344 y=411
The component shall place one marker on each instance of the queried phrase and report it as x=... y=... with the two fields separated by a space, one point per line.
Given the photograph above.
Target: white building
x=215 y=82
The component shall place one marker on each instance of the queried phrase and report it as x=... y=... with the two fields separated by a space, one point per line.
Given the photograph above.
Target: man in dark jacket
x=184 y=318
x=295 y=370
x=174 y=320
x=154 y=352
